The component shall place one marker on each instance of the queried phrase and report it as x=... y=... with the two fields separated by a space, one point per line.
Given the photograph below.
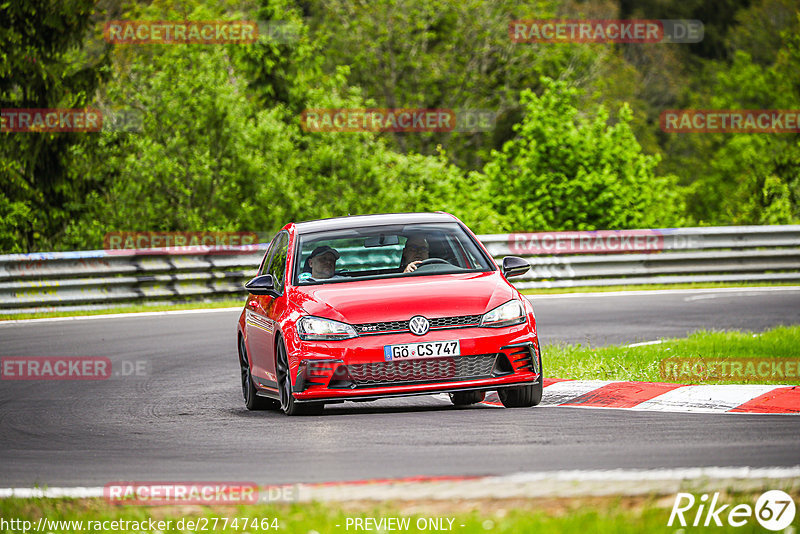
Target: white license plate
x=413 y=351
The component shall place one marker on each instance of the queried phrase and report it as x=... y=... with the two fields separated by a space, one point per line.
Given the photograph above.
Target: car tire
x=523 y=396
x=251 y=400
x=288 y=404
x=465 y=398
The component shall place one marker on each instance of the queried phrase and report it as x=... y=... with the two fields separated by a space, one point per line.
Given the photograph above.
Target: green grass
x=132 y=308
x=573 y=515
x=642 y=363
x=640 y=287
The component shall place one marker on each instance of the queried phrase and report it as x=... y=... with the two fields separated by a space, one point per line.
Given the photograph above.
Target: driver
x=415 y=252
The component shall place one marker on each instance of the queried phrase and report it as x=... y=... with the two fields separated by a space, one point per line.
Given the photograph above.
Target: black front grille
x=422 y=370
x=437 y=323
x=382 y=327
x=450 y=322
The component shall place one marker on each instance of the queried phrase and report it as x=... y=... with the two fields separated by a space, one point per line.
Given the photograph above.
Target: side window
x=277 y=265
x=264 y=268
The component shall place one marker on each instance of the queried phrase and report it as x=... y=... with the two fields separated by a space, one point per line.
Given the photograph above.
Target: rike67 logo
x=774 y=510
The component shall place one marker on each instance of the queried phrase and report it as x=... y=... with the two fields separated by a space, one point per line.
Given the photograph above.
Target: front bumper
x=356 y=369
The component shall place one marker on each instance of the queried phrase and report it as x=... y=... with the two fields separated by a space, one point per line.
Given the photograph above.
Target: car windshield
x=386 y=252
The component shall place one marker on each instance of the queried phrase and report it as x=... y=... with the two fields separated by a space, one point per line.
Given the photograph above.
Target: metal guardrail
x=664 y=256
x=104 y=278
x=100 y=279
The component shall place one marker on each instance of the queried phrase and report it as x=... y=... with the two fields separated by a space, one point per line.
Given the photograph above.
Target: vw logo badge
x=419 y=325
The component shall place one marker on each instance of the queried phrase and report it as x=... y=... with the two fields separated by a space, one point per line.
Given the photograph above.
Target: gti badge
x=419 y=325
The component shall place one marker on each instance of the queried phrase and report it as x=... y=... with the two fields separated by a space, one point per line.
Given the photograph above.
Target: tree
x=741 y=178
x=454 y=54
x=564 y=171
x=43 y=65
x=222 y=148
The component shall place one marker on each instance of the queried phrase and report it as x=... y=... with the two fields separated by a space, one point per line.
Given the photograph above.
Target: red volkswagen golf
x=366 y=307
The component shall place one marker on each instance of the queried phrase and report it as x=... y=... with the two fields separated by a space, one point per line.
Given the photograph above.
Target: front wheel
x=523 y=396
x=288 y=404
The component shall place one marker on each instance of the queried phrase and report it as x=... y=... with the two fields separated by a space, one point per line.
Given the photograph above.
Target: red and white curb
x=575 y=483
x=663 y=397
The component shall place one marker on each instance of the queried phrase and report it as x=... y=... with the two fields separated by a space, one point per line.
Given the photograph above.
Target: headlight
x=318 y=329
x=510 y=313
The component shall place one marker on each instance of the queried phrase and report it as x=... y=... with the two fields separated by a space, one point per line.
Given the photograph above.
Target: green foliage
x=44 y=63
x=453 y=54
x=221 y=147
x=565 y=171
x=718 y=18
x=753 y=178
x=216 y=154
x=744 y=178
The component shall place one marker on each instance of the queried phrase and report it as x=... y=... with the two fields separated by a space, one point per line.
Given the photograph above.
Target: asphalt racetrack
x=185 y=419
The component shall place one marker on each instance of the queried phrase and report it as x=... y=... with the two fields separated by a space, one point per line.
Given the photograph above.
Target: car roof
x=359 y=221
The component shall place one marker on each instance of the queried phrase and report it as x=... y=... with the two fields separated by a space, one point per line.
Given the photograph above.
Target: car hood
x=398 y=299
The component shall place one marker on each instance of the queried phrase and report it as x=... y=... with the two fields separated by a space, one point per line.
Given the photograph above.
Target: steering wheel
x=432 y=261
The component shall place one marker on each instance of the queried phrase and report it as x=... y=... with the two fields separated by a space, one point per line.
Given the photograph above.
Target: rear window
x=385 y=251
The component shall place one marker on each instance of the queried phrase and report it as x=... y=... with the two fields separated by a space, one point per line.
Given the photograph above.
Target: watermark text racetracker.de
x=180 y=32
x=601 y=242
x=773 y=510
x=60 y=120
x=204 y=242
x=605 y=31
x=397 y=120
x=730 y=120
x=196 y=493
x=703 y=369
x=50 y=120
x=70 y=368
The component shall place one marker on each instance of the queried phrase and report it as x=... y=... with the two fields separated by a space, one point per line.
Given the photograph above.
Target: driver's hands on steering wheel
x=411 y=267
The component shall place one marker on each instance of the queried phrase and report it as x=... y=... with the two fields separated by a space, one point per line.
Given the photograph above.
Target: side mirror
x=514 y=266
x=262 y=285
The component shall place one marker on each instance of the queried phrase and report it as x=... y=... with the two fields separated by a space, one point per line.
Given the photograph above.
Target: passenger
x=322 y=263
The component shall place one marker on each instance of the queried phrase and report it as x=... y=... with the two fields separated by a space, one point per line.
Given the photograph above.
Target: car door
x=262 y=323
